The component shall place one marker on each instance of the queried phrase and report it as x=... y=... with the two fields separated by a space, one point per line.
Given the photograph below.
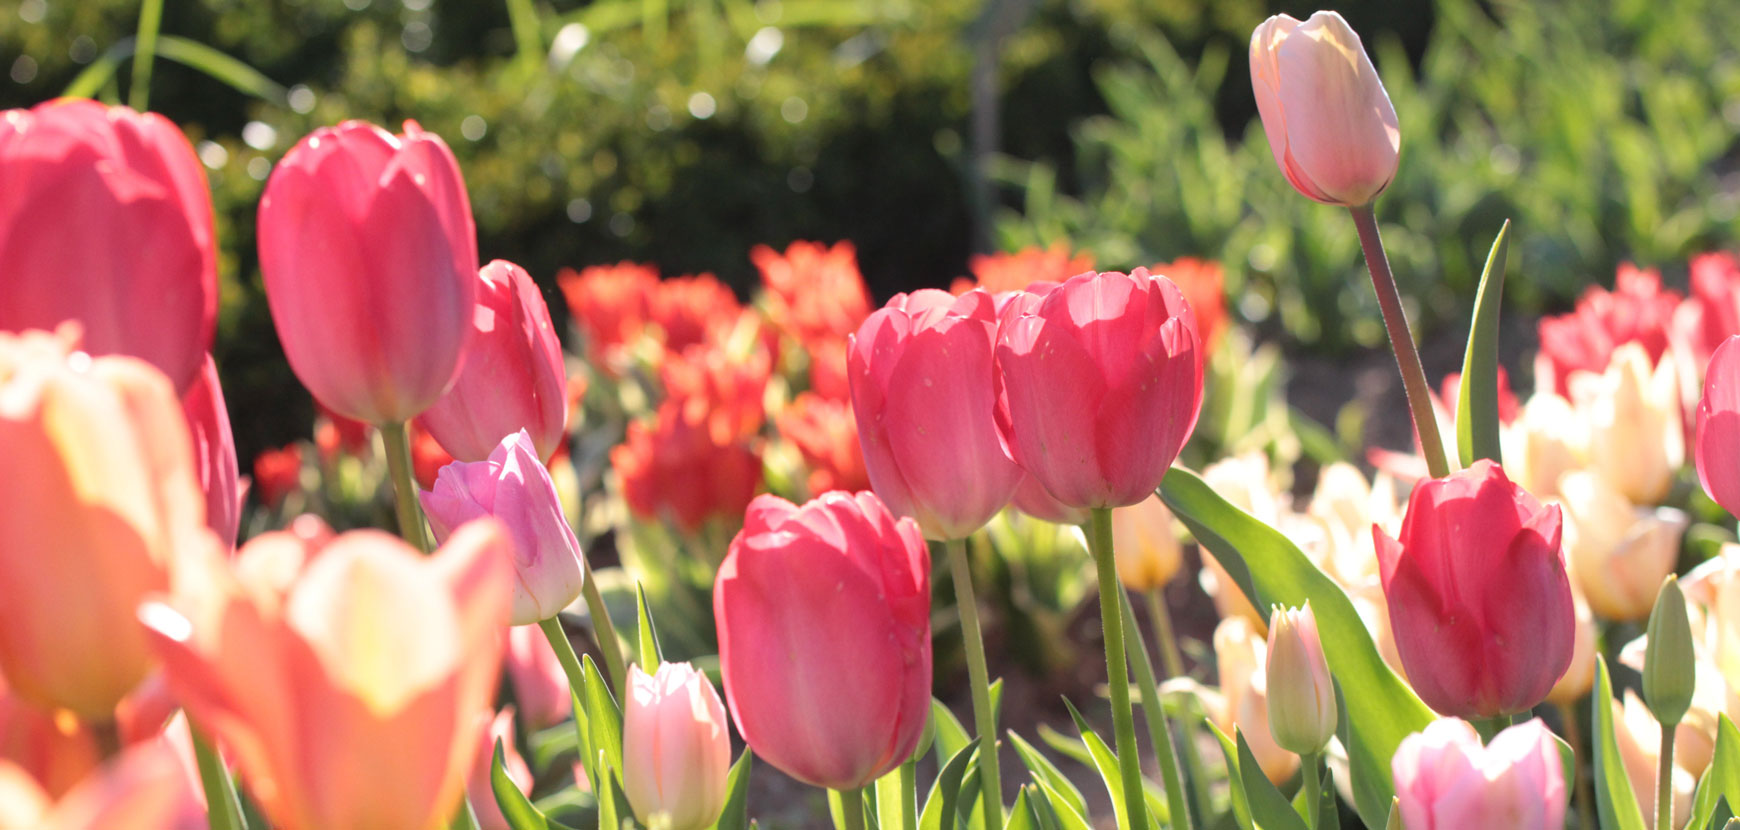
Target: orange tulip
x=148 y=787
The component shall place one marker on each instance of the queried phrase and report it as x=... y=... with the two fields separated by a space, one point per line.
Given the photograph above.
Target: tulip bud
x=1718 y=436
x=1148 y=554
x=513 y=486
x=1445 y=780
x=1241 y=660
x=1302 y=710
x=1328 y=118
x=540 y=686
x=1638 y=739
x=676 y=749
x=1669 y=668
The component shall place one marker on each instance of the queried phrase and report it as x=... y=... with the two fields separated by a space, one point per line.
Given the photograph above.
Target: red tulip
x=1002 y=272
x=672 y=469
x=1101 y=383
x=105 y=218
x=824 y=636
x=1712 y=313
x=691 y=310
x=214 y=450
x=719 y=389
x=1479 y=601
x=1718 y=438
x=513 y=377
x=278 y=473
x=826 y=435
x=370 y=264
x=922 y=391
x=610 y=305
x=1637 y=310
x=814 y=292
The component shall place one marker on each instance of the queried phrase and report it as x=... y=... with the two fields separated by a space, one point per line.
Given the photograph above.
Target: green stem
x=605 y=631
x=1168 y=643
x=852 y=807
x=404 y=486
x=909 y=794
x=528 y=44
x=1579 y=780
x=220 y=792
x=1117 y=670
x=1401 y=342
x=1313 y=786
x=564 y=649
x=978 y=677
x=1488 y=727
x=1160 y=730
x=144 y=52
x=1664 y=780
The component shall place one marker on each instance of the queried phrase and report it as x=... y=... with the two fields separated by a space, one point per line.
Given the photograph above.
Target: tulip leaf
x=1268 y=806
x=1275 y=571
x=939 y=805
x=1395 y=820
x=650 y=654
x=1477 y=402
x=1040 y=804
x=895 y=794
x=951 y=737
x=1154 y=715
x=1722 y=779
x=1047 y=773
x=1105 y=761
x=1614 y=800
x=1073 y=748
x=735 y=815
x=1021 y=815
x=189 y=53
x=605 y=784
x=1241 y=809
x=1328 y=807
x=519 y=811
x=1067 y=816
x=605 y=721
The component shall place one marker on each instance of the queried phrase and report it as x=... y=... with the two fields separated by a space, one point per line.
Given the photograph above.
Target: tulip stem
x=1313 y=786
x=978 y=677
x=1162 y=617
x=144 y=52
x=565 y=655
x=404 y=485
x=1579 y=781
x=852 y=807
x=604 y=631
x=1117 y=668
x=1401 y=342
x=1664 y=780
x=1488 y=727
x=220 y=792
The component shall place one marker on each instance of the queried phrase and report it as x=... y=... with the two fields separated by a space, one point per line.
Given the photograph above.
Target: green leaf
x=1068 y=818
x=605 y=722
x=951 y=737
x=1021 y=815
x=1269 y=807
x=1072 y=748
x=1328 y=807
x=892 y=799
x=192 y=54
x=1047 y=773
x=939 y=805
x=520 y=813
x=1276 y=572
x=650 y=654
x=605 y=784
x=1105 y=761
x=1154 y=715
x=735 y=816
x=1241 y=809
x=1722 y=779
x=1477 y=403
x=1614 y=800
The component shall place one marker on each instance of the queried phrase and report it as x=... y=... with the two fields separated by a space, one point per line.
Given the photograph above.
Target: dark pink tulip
x=1718 y=439
x=824 y=636
x=1479 y=601
x=105 y=219
x=1101 y=383
x=513 y=377
x=370 y=262
x=921 y=377
x=214 y=450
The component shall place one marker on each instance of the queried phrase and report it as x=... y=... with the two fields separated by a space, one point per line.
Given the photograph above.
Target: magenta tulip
x=676 y=748
x=1480 y=604
x=214 y=450
x=1446 y=780
x=1718 y=438
x=921 y=377
x=824 y=636
x=370 y=263
x=513 y=377
x=1101 y=383
x=105 y=219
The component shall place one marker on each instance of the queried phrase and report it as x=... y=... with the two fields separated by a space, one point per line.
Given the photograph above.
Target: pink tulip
x=214 y=450
x=1718 y=437
x=1328 y=118
x=370 y=263
x=1032 y=498
x=540 y=686
x=1101 y=382
x=1447 y=781
x=514 y=487
x=513 y=377
x=676 y=748
x=921 y=376
x=823 y=614
x=105 y=219
x=145 y=787
x=478 y=787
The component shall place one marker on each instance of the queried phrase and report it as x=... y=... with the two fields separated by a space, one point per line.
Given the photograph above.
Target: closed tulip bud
x=921 y=379
x=1302 y=710
x=513 y=377
x=1480 y=604
x=1446 y=780
x=513 y=487
x=1241 y=661
x=214 y=449
x=369 y=257
x=1328 y=118
x=1636 y=433
x=1101 y=383
x=1148 y=554
x=823 y=614
x=107 y=221
x=1718 y=441
x=1618 y=554
x=1669 y=667
x=676 y=748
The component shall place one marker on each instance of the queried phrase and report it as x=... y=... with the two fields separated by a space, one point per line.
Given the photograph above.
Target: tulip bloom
x=146 y=787
x=676 y=748
x=1637 y=310
x=370 y=263
x=1328 y=118
x=1636 y=429
x=1013 y=272
x=1718 y=437
x=1479 y=600
x=815 y=293
x=310 y=666
x=1302 y=710
x=1580 y=677
x=690 y=311
x=672 y=469
x=1618 y=554
x=826 y=435
x=107 y=220
x=513 y=377
x=1447 y=781
x=214 y=445
x=513 y=486
x=922 y=390
x=824 y=636
x=1241 y=658
x=1101 y=382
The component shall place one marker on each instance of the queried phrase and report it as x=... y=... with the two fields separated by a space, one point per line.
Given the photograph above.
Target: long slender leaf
x=1477 y=403
x=605 y=722
x=650 y=653
x=951 y=737
x=735 y=815
x=1241 y=810
x=1068 y=818
x=1154 y=714
x=1614 y=800
x=939 y=807
x=1105 y=762
x=520 y=813
x=1047 y=773
x=192 y=54
x=1021 y=815
x=1269 y=808
x=1722 y=778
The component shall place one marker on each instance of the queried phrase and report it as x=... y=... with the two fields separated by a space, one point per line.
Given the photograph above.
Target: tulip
x=370 y=263
x=1446 y=780
x=278 y=473
x=1328 y=118
x=1639 y=739
x=823 y=614
x=719 y=388
x=513 y=486
x=1638 y=310
x=1101 y=385
x=1580 y=677
x=370 y=657
x=1546 y=441
x=540 y=687
x=1717 y=451
x=479 y=789
x=826 y=435
x=1032 y=498
x=1479 y=600
x=107 y=220
x=672 y=469
x=146 y=787
x=814 y=292
x=1712 y=313
x=1302 y=711
x=1636 y=434
x=1148 y=554
x=1241 y=656
x=1012 y=272
x=214 y=445
x=513 y=377
x=1617 y=553
x=610 y=305
x=690 y=311
x=676 y=748
x=921 y=376
x=100 y=500
x=1712 y=698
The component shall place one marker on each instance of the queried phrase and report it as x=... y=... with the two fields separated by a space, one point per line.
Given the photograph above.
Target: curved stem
x=978 y=677
x=1664 y=780
x=1580 y=781
x=1117 y=668
x=404 y=486
x=1170 y=659
x=1401 y=342
x=565 y=655
x=604 y=630
x=224 y=809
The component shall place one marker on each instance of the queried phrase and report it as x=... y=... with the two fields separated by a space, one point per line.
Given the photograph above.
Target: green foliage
x=1613 y=796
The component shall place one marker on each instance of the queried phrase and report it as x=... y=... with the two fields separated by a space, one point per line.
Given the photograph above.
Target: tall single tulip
x=1718 y=441
x=1480 y=603
x=921 y=374
x=513 y=377
x=1101 y=382
x=1328 y=118
x=676 y=748
x=1447 y=781
x=105 y=219
x=214 y=446
x=513 y=486
x=824 y=636
x=369 y=257
x=312 y=668
x=1302 y=710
